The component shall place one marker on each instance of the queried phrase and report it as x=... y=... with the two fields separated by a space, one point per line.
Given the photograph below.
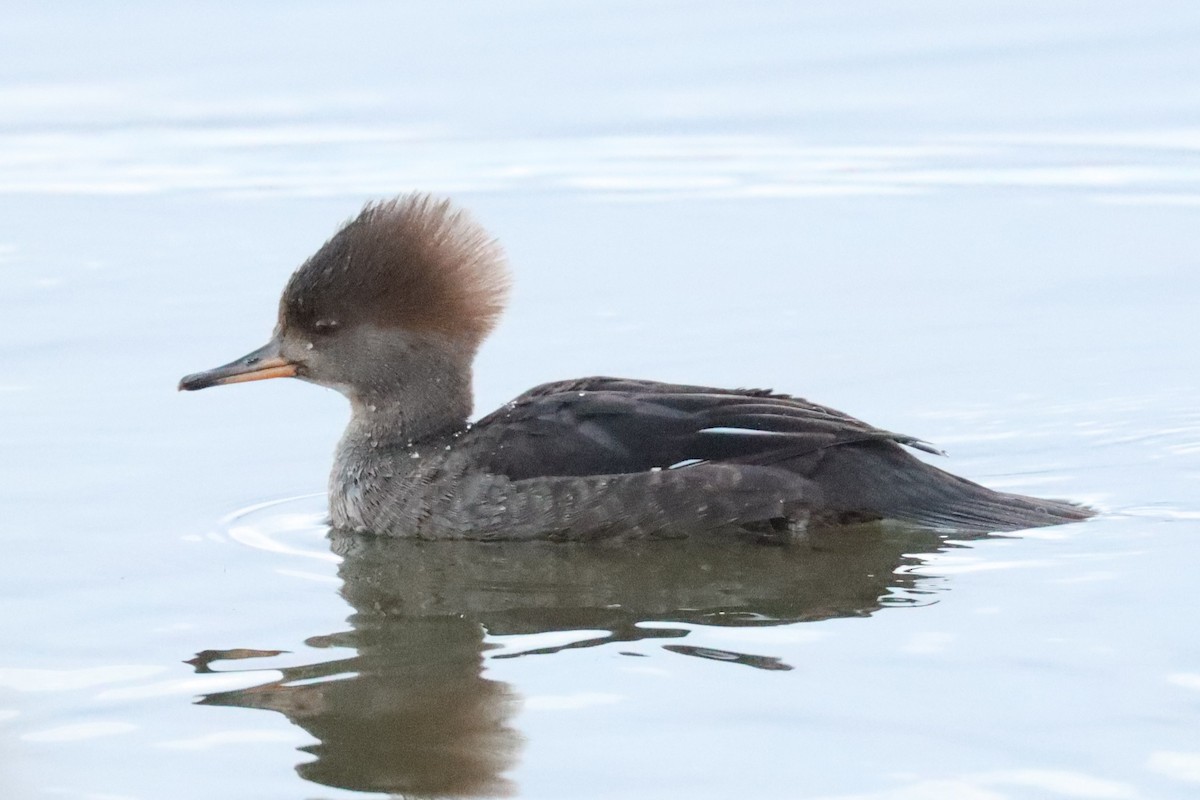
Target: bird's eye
x=325 y=326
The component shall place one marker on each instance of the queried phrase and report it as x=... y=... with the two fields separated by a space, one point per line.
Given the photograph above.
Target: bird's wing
x=607 y=426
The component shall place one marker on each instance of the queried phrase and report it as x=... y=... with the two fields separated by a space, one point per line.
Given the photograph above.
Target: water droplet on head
x=308 y=346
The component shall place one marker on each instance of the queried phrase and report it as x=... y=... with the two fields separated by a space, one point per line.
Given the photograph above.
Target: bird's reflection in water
x=412 y=712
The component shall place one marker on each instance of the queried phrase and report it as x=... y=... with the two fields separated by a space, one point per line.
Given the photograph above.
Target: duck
x=391 y=311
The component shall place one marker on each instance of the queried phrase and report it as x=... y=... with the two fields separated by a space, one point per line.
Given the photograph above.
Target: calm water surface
x=976 y=226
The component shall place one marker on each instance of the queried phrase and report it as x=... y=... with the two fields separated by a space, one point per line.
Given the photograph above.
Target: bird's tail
x=881 y=478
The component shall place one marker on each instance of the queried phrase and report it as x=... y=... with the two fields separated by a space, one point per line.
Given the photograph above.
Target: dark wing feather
x=605 y=426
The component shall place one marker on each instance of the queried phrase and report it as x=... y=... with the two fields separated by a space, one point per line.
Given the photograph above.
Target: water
x=972 y=224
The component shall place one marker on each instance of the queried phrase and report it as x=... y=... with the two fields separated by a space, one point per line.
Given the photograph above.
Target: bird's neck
x=415 y=411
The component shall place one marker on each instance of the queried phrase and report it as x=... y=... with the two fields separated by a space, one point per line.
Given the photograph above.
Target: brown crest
x=414 y=262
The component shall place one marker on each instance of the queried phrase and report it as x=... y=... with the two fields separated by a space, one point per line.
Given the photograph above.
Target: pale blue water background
x=973 y=222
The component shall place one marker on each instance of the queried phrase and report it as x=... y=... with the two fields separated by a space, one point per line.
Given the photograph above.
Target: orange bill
x=265 y=362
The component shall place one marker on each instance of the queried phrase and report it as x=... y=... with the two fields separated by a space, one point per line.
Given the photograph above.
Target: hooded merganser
x=391 y=311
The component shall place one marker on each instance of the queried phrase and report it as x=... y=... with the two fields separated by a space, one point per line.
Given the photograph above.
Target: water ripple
x=301 y=157
x=276 y=527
